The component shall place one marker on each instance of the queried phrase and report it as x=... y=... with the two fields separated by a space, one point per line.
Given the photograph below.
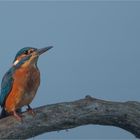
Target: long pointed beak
x=42 y=50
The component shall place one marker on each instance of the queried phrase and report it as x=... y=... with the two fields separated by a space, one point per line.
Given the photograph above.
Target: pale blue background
x=96 y=51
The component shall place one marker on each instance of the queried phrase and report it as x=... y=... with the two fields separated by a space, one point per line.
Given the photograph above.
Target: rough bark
x=68 y=115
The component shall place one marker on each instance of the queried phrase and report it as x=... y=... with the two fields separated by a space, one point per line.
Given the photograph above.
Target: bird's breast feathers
x=25 y=85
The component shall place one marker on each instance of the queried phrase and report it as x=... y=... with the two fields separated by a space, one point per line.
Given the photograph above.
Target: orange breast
x=25 y=85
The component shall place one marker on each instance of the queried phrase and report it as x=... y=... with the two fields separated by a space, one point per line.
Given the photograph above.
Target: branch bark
x=68 y=115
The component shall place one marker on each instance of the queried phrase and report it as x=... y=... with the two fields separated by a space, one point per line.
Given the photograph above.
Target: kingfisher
x=20 y=83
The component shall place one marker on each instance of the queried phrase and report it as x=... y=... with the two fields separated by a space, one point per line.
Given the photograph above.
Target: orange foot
x=17 y=116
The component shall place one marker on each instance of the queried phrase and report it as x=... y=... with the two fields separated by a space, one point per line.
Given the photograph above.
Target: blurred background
x=96 y=52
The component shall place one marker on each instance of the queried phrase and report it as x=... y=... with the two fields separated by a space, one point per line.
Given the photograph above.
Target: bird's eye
x=31 y=51
x=26 y=52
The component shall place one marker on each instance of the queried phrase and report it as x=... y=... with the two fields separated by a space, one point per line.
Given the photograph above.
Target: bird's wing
x=6 y=86
x=7 y=81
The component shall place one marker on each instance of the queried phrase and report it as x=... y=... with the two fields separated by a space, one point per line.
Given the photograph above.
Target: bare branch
x=68 y=115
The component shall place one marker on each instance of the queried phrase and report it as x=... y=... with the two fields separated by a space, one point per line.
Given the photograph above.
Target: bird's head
x=29 y=55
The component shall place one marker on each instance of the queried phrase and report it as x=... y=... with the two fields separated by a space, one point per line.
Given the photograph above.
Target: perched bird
x=19 y=85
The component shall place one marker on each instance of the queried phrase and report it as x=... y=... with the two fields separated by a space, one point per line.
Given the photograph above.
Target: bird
x=20 y=83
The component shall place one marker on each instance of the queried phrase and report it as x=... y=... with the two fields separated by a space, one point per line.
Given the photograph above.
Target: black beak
x=42 y=50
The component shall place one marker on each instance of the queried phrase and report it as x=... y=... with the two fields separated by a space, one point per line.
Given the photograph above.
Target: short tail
x=4 y=113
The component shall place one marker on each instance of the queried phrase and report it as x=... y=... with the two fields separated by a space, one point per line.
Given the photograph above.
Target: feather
x=7 y=81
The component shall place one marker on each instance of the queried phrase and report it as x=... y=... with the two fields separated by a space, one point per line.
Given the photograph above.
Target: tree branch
x=68 y=115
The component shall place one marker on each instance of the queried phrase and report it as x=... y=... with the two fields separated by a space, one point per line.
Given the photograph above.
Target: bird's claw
x=31 y=111
x=17 y=116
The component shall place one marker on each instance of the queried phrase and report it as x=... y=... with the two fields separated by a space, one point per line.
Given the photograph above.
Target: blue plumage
x=6 y=85
x=23 y=50
x=14 y=92
x=7 y=81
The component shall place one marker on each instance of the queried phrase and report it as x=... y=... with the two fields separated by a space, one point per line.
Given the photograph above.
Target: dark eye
x=31 y=51
x=26 y=52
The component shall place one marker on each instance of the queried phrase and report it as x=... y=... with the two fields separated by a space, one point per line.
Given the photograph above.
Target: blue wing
x=6 y=86
x=7 y=81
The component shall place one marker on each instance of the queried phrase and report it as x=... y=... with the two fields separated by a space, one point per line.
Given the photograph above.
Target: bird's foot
x=17 y=116
x=31 y=111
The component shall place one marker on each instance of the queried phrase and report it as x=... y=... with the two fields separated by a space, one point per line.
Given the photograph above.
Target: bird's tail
x=4 y=113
